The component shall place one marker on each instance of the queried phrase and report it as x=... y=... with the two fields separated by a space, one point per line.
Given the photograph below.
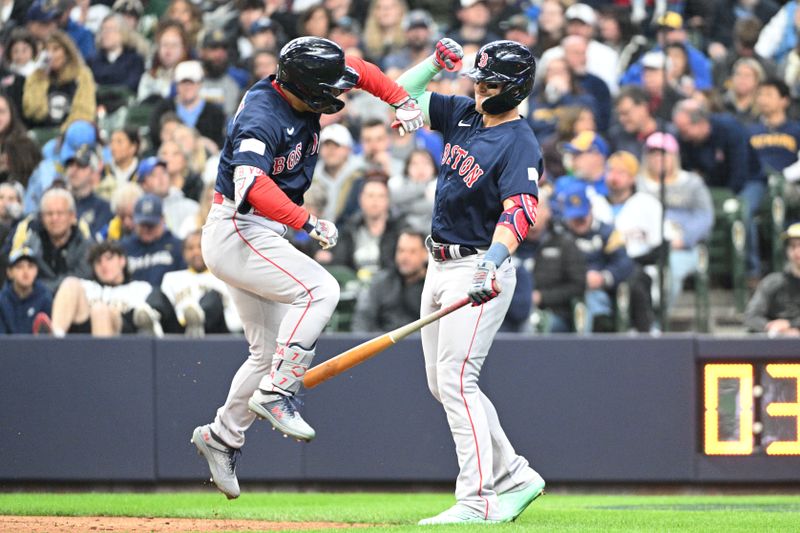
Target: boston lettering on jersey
x=459 y=159
x=268 y=134
x=480 y=168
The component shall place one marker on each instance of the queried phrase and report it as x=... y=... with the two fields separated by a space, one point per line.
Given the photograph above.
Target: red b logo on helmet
x=484 y=59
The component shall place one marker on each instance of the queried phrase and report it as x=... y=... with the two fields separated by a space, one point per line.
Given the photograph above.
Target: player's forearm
x=375 y=82
x=267 y=198
x=415 y=80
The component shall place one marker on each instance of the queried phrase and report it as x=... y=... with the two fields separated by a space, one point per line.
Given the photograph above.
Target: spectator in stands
x=337 y=169
x=679 y=74
x=61 y=91
x=171 y=46
x=376 y=146
x=554 y=270
x=419 y=32
x=132 y=12
x=152 y=250
x=383 y=30
x=575 y=54
x=636 y=122
x=394 y=294
x=11 y=125
x=521 y=29
x=104 y=305
x=249 y=12
x=670 y=31
x=265 y=34
x=196 y=222
x=740 y=99
x=122 y=203
x=775 y=307
x=346 y=32
x=616 y=29
x=661 y=96
x=48 y=16
x=264 y=64
x=191 y=301
x=558 y=91
x=117 y=62
x=607 y=261
x=188 y=15
x=689 y=209
x=718 y=148
x=203 y=155
x=59 y=243
x=82 y=171
x=154 y=179
x=745 y=36
x=19 y=55
x=207 y=117
x=23 y=297
x=728 y=14
x=413 y=192
x=776 y=138
x=552 y=25
x=367 y=240
x=315 y=21
x=637 y=215
x=124 y=148
x=11 y=193
x=219 y=85
x=585 y=155
x=779 y=37
x=572 y=121
x=181 y=177
x=601 y=59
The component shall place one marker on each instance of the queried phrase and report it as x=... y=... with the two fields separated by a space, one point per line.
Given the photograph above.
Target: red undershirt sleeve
x=266 y=197
x=375 y=82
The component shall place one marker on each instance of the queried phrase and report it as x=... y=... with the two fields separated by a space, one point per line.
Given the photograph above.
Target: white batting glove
x=408 y=115
x=323 y=231
x=484 y=285
x=447 y=55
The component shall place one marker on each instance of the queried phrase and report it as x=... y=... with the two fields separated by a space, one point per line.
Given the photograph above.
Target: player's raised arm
x=375 y=82
x=447 y=55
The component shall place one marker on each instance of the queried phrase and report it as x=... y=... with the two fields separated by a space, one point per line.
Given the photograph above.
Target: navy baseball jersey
x=268 y=134
x=481 y=167
x=776 y=147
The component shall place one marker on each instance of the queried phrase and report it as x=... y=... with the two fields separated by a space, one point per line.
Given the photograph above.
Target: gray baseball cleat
x=221 y=460
x=282 y=413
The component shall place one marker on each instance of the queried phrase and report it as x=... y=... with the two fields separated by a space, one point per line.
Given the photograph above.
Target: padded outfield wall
x=680 y=409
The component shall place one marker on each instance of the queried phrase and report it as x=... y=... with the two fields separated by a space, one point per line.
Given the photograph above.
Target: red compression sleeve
x=266 y=197
x=375 y=82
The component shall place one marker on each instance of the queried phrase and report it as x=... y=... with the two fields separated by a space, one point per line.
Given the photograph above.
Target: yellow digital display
x=751 y=409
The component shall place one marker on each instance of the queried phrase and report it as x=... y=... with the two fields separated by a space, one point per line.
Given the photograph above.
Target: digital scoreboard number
x=751 y=409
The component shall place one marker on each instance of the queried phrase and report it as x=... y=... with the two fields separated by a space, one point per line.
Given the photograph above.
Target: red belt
x=220 y=198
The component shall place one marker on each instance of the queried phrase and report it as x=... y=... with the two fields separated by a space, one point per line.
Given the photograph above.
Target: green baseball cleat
x=513 y=503
x=457 y=514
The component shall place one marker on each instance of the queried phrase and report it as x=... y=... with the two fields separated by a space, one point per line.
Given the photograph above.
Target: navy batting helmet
x=313 y=69
x=509 y=63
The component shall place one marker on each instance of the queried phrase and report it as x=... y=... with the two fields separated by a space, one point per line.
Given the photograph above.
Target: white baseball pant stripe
x=281 y=295
x=455 y=349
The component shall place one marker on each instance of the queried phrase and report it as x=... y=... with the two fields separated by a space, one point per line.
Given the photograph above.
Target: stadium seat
x=350 y=286
x=726 y=247
x=772 y=218
x=42 y=135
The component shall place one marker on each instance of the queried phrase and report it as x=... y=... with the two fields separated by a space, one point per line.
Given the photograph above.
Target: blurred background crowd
x=669 y=130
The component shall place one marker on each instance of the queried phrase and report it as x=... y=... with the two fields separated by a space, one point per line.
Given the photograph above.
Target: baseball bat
x=358 y=354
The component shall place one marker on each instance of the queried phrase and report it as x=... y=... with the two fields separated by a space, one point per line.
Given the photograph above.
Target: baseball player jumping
x=283 y=297
x=486 y=199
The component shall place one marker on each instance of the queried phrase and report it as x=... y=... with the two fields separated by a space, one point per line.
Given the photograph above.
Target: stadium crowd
x=113 y=113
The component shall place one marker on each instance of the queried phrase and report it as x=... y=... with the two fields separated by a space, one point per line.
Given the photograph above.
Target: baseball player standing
x=486 y=199
x=283 y=297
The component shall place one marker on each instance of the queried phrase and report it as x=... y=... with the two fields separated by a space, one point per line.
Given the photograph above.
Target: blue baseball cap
x=44 y=11
x=78 y=134
x=146 y=167
x=262 y=24
x=19 y=254
x=587 y=141
x=148 y=210
x=573 y=201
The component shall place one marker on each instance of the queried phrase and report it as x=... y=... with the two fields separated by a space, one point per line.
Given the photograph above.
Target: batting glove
x=447 y=55
x=323 y=231
x=484 y=283
x=408 y=115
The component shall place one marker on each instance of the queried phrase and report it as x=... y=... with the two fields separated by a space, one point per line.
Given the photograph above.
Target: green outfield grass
x=399 y=512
